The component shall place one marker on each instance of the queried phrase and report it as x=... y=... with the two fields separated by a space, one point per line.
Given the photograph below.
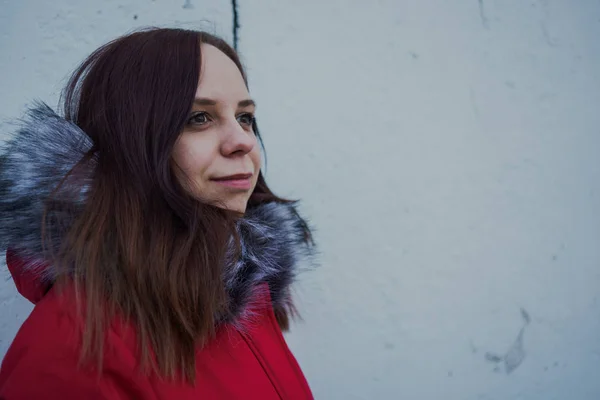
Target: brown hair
x=142 y=247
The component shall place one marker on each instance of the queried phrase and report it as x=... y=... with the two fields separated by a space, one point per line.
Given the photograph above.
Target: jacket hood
x=45 y=147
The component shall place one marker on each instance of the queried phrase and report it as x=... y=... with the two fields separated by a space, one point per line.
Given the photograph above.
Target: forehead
x=220 y=78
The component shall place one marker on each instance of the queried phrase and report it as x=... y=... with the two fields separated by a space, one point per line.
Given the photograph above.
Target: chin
x=239 y=208
x=236 y=205
x=236 y=202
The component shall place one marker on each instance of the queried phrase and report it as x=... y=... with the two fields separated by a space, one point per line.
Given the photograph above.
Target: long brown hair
x=142 y=247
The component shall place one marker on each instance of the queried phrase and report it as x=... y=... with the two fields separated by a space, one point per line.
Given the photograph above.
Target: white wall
x=447 y=153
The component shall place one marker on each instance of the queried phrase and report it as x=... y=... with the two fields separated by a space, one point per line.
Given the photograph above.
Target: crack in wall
x=236 y=24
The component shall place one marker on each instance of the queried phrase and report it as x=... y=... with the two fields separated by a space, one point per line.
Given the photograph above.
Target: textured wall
x=448 y=154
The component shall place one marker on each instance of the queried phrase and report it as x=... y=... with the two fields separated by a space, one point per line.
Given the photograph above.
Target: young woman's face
x=218 y=150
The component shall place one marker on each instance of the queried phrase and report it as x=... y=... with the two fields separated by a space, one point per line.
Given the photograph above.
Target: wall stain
x=515 y=354
x=491 y=357
x=484 y=19
x=474 y=349
x=549 y=41
x=188 y=4
x=525 y=316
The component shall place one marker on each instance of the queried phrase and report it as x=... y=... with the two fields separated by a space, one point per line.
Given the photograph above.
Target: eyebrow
x=202 y=101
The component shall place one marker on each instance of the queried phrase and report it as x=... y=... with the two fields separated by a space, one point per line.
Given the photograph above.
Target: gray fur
x=45 y=147
x=273 y=250
x=42 y=151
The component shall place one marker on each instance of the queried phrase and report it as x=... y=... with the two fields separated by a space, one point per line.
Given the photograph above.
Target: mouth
x=237 y=181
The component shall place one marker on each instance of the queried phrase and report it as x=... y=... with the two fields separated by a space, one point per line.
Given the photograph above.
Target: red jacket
x=42 y=362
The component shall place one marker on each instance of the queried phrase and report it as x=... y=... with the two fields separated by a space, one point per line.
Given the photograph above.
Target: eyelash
x=249 y=123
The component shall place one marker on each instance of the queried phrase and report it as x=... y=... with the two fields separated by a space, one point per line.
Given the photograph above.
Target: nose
x=237 y=140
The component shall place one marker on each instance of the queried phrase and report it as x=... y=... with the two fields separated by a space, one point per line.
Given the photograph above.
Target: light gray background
x=447 y=151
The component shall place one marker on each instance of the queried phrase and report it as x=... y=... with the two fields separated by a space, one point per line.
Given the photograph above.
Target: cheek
x=257 y=162
x=256 y=158
x=192 y=156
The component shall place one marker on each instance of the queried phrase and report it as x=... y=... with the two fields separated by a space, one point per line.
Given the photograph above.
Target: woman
x=140 y=225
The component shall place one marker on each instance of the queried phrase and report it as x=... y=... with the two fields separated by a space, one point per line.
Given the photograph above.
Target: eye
x=246 y=119
x=199 y=118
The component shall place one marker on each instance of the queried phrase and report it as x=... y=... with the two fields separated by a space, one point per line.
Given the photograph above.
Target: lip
x=237 y=181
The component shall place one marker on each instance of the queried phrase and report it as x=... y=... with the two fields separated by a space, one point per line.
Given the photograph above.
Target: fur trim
x=273 y=251
x=46 y=146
